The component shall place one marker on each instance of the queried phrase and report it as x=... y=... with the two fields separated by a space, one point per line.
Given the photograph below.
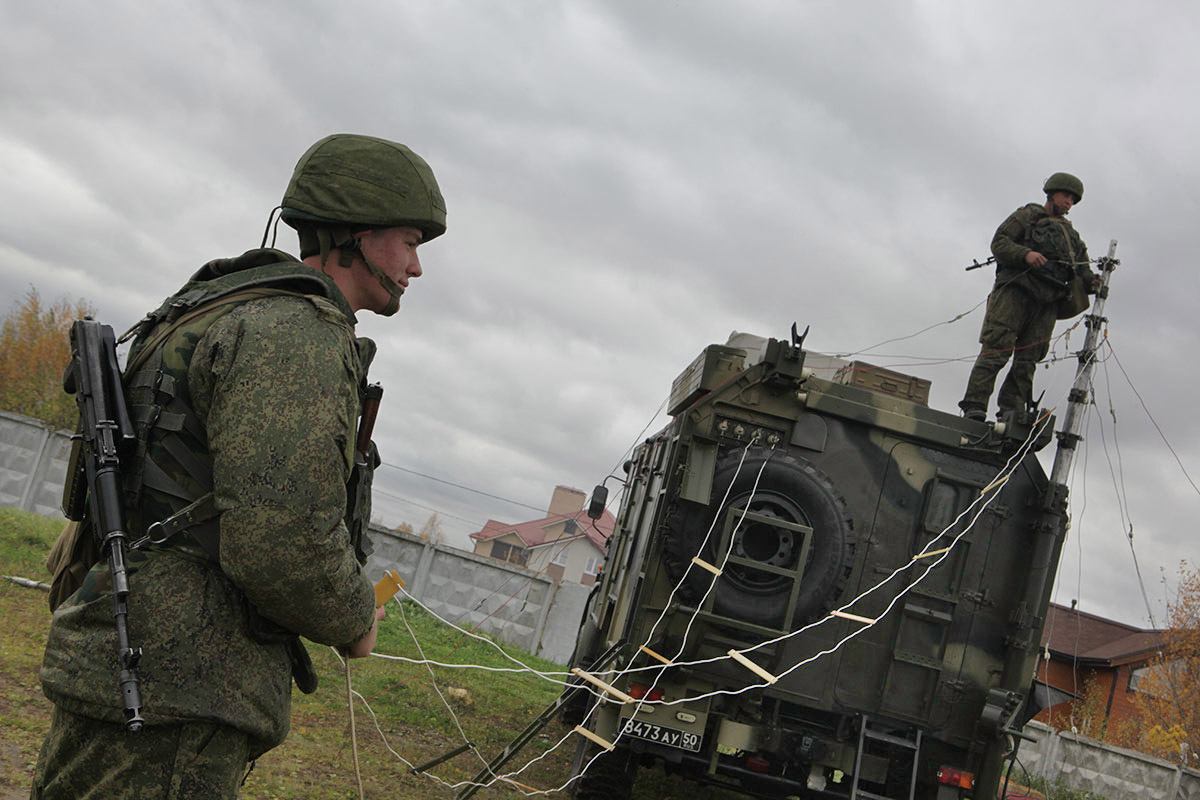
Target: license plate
x=660 y=734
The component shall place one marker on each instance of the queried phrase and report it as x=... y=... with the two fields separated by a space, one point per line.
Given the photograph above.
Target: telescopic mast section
x=1051 y=531
x=1068 y=437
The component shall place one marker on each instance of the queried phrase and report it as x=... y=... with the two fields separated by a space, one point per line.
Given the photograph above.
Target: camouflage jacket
x=1031 y=227
x=274 y=385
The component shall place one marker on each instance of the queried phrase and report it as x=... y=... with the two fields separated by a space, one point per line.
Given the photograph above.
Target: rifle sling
x=189 y=516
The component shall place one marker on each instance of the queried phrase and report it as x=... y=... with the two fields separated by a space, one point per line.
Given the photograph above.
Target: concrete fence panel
x=1103 y=770
x=1189 y=785
x=33 y=464
x=516 y=605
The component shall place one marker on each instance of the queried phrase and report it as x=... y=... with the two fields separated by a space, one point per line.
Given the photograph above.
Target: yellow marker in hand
x=388 y=585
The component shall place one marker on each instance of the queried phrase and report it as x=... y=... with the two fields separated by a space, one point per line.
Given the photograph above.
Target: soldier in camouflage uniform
x=1037 y=253
x=246 y=408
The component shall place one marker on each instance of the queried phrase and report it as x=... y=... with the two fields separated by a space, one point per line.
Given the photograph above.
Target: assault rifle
x=105 y=436
x=366 y=459
x=1058 y=273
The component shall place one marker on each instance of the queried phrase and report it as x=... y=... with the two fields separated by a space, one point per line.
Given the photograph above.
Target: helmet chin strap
x=349 y=248
x=390 y=286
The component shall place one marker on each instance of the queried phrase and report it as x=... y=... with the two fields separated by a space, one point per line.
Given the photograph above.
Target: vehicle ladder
x=868 y=738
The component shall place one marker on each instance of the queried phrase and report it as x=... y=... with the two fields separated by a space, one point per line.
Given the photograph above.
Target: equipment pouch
x=1076 y=301
x=303 y=671
x=71 y=558
x=264 y=631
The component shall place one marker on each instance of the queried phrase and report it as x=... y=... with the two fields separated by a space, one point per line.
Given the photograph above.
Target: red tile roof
x=533 y=532
x=1075 y=635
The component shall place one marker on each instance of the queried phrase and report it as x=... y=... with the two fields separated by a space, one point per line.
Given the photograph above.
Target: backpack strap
x=182 y=318
x=155 y=405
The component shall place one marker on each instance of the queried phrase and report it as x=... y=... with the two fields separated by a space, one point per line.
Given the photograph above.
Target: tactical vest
x=1057 y=240
x=168 y=483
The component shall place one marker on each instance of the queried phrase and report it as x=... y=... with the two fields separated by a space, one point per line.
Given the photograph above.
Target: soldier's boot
x=973 y=411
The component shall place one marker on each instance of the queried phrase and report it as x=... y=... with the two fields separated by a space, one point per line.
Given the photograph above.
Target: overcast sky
x=628 y=182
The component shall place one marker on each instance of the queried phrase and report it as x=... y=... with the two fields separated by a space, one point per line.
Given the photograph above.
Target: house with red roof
x=1080 y=649
x=566 y=544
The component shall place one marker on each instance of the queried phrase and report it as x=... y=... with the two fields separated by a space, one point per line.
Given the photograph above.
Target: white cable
x=436 y=688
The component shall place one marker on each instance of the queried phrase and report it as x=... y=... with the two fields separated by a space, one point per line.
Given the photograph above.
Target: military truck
x=817 y=588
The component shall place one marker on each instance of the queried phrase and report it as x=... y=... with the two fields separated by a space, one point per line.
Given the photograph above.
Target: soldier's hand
x=363 y=647
x=1035 y=259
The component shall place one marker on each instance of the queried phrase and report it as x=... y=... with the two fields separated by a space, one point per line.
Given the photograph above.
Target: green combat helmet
x=1064 y=182
x=347 y=183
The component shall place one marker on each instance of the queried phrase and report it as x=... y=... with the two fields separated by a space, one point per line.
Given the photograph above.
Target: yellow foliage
x=34 y=351
x=1164 y=742
x=1168 y=693
x=1089 y=712
x=1090 y=715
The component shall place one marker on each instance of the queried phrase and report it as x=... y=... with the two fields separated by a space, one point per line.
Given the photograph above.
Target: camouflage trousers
x=88 y=759
x=1015 y=325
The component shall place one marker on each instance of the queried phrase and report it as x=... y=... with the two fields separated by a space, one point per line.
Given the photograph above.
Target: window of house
x=561 y=553
x=511 y=553
x=593 y=565
x=1160 y=675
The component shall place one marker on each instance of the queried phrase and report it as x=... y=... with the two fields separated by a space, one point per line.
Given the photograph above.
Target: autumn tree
x=34 y=351
x=1168 y=690
x=431 y=531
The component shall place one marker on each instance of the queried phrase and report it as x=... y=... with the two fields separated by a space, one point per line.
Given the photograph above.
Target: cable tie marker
x=592 y=679
x=931 y=553
x=522 y=786
x=585 y=733
x=853 y=617
x=699 y=562
x=996 y=484
x=653 y=654
x=750 y=665
x=386 y=588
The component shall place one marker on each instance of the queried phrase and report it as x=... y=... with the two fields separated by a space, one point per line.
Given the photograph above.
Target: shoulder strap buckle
x=189 y=516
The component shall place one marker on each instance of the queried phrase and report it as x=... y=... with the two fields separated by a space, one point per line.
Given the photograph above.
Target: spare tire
x=789 y=489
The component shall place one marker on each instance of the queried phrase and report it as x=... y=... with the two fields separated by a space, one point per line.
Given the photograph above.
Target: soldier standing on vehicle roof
x=245 y=388
x=1037 y=254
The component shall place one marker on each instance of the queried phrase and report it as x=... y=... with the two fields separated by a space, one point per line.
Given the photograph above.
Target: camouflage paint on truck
x=805 y=494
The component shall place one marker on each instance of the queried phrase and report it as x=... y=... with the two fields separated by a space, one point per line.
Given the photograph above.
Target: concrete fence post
x=1050 y=766
x=543 y=615
x=424 y=564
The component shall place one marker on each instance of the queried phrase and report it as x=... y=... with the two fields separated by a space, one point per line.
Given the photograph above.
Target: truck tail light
x=638 y=690
x=956 y=777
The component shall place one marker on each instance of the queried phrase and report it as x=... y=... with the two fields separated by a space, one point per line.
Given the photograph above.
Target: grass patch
x=25 y=539
x=317 y=759
x=1054 y=790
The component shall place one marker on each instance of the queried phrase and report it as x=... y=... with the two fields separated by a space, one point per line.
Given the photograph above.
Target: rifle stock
x=358 y=490
x=366 y=425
